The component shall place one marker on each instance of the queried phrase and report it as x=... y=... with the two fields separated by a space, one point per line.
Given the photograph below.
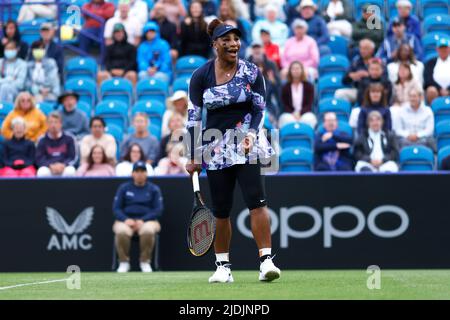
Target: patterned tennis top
x=232 y=110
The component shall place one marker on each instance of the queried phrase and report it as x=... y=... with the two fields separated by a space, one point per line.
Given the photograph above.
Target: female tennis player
x=233 y=92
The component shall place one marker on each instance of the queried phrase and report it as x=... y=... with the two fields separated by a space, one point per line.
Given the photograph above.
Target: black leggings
x=222 y=182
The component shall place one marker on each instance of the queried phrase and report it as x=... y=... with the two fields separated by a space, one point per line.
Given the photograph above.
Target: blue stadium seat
x=338 y=45
x=443 y=153
x=181 y=84
x=154 y=109
x=429 y=7
x=341 y=107
x=296 y=135
x=437 y=23
x=152 y=128
x=5 y=108
x=113 y=112
x=81 y=68
x=441 y=109
x=116 y=132
x=247 y=25
x=343 y=126
x=46 y=107
x=152 y=89
x=296 y=160
x=429 y=44
x=86 y=88
x=333 y=64
x=416 y=158
x=117 y=89
x=29 y=30
x=86 y=108
x=442 y=132
x=267 y=123
x=187 y=64
x=359 y=4
x=328 y=85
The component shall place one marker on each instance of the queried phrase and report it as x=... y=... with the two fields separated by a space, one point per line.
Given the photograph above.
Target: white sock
x=222 y=257
x=265 y=251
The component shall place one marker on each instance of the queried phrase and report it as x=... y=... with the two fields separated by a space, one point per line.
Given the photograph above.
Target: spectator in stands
x=177 y=125
x=138 y=11
x=53 y=49
x=133 y=155
x=415 y=123
x=35 y=120
x=177 y=103
x=29 y=11
x=18 y=152
x=271 y=50
x=120 y=57
x=133 y=26
x=141 y=135
x=168 y=30
x=338 y=15
x=209 y=8
x=297 y=96
x=174 y=10
x=175 y=161
x=332 y=147
x=376 y=149
x=194 y=39
x=97 y=164
x=358 y=71
x=153 y=55
x=375 y=99
x=260 y=9
x=389 y=49
x=56 y=151
x=376 y=74
x=302 y=48
x=74 y=120
x=368 y=27
x=42 y=76
x=437 y=72
x=11 y=33
x=137 y=206
x=271 y=77
x=103 y=10
x=405 y=82
x=404 y=8
x=13 y=73
x=98 y=137
x=405 y=55
x=279 y=30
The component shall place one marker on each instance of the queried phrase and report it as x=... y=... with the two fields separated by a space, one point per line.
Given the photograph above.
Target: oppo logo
x=325 y=221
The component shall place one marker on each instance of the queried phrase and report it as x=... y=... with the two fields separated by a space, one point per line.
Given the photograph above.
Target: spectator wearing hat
x=11 y=33
x=137 y=206
x=338 y=15
x=437 y=72
x=368 y=27
x=56 y=151
x=271 y=50
x=35 y=120
x=389 y=49
x=302 y=48
x=13 y=73
x=153 y=55
x=133 y=155
x=138 y=11
x=412 y=22
x=29 y=11
x=168 y=30
x=133 y=27
x=42 y=76
x=279 y=31
x=74 y=121
x=98 y=136
x=18 y=152
x=97 y=164
x=177 y=103
x=120 y=57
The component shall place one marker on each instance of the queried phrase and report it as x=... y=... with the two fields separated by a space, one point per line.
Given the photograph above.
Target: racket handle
x=195 y=182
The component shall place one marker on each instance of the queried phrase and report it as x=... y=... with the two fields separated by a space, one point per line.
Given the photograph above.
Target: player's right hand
x=191 y=167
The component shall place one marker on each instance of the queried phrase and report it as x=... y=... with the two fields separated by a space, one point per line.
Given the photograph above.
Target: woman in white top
x=134 y=154
x=337 y=15
x=405 y=54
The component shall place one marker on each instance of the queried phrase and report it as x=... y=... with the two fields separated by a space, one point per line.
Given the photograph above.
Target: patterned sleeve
x=259 y=100
x=194 y=123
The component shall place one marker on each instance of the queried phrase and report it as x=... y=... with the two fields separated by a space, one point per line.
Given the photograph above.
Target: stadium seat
x=267 y=123
x=86 y=88
x=297 y=135
x=113 y=112
x=343 y=126
x=437 y=23
x=429 y=44
x=86 y=108
x=81 y=68
x=46 y=107
x=341 y=107
x=443 y=153
x=187 y=64
x=328 y=85
x=333 y=64
x=441 y=109
x=116 y=132
x=5 y=108
x=152 y=89
x=338 y=45
x=296 y=160
x=416 y=158
x=152 y=128
x=117 y=89
x=442 y=132
x=247 y=25
x=430 y=7
x=29 y=30
x=181 y=84
x=154 y=109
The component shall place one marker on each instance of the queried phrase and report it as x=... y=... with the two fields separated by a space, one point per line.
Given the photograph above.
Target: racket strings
x=202 y=231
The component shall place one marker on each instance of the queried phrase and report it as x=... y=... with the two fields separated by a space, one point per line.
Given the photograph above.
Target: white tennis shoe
x=145 y=267
x=222 y=274
x=268 y=271
x=123 y=267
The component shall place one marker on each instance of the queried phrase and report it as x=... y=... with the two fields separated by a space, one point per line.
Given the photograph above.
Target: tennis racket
x=202 y=225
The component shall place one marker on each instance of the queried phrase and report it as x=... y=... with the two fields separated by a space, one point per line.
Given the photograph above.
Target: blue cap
x=442 y=42
x=139 y=165
x=222 y=30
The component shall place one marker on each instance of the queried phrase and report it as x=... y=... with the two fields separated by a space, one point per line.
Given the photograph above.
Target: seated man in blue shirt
x=137 y=206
